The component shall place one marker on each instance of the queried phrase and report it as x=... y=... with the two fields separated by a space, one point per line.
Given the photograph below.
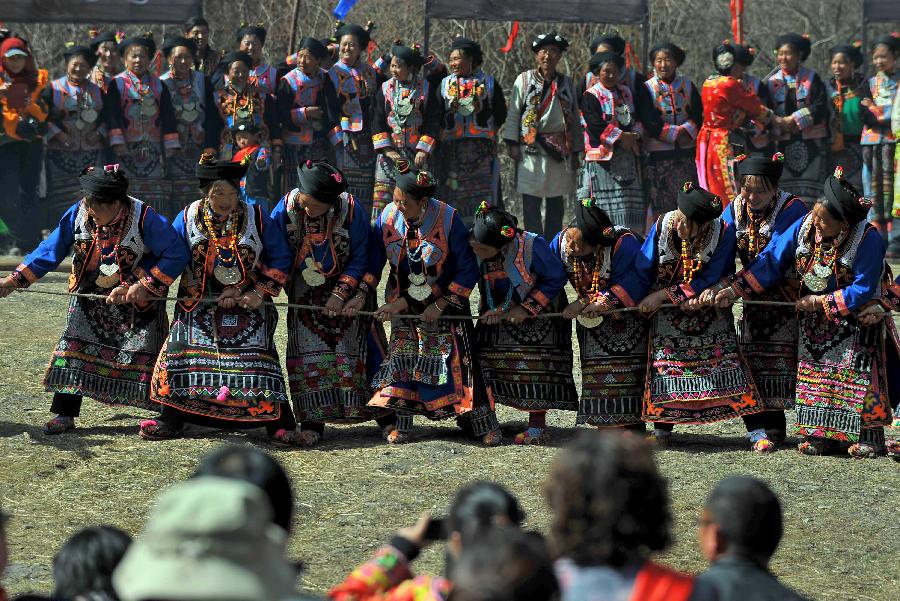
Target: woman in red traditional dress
x=727 y=103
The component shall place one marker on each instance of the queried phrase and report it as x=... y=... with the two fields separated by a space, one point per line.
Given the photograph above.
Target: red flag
x=513 y=34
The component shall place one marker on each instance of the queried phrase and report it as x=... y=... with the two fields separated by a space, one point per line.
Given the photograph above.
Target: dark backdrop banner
x=99 y=11
x=882 y=11
x=569 y=11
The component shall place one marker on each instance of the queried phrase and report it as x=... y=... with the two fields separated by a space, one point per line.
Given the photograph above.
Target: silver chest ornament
x=312 y=273
x=590 y=322
x=227 y=276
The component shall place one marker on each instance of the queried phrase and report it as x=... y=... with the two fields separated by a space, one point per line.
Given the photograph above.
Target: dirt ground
x=353 y=491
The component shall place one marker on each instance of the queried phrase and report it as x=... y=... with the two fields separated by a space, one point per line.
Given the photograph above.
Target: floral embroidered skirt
x=331 y=360
x=842 y=389
x=696 y=373
x=107 y=352
x=767 y=337
x=613 y=368
x=222 y=365
x=429 y=371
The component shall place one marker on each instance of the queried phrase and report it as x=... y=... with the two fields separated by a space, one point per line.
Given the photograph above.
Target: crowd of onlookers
x=221 y=535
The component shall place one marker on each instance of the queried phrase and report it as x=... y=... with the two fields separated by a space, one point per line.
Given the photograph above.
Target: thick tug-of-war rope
x=370 y=313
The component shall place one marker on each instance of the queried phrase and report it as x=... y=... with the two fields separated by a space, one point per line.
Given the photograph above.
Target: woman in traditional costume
x=752 y=137
x=429 y=369
x=78 y=128
x=614 y=125
x=197 y=119
x=543 y=135
x=846 y=92
x=251 y=39
x=878 y=141
x=105 y=46
x=308 y=110
x=670 y=155
x=605 y=268
x=842 y=386
x=696 y=373
x=612 y=42
x=356 y=84
x=149 y=130
x=219 y=366
x=125 y=251
x=727 y=105
x=473 y=111
x=405 y=122
x=23 y=116
x=240 y=101
x=330 y=353
x=527 y=363
x=797 y=95
x=767 y=335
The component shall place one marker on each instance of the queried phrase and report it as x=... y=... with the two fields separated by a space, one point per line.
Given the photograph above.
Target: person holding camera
x=479 y=509
x=24 y=114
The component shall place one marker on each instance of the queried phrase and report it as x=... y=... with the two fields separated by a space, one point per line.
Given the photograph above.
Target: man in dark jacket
x=740 y=528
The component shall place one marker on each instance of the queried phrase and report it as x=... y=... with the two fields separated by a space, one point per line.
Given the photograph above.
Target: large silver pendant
x=416 y=279
x=88 y=115
x=623 y=115
x=108 y=281
x=404 y=108
x=590 y=322
x=821 y=271
x=148 y=108
x=814 y=282
x=108 y=268
x=466 y=107
x=80 y=125
x=228 y=276
x=312 y=273
x=189 y=116
x=420 y=291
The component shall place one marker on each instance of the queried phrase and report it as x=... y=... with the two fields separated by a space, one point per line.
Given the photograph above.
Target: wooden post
x=865 y=33
x=426 y=31
x=645 y=41
x=295 y=17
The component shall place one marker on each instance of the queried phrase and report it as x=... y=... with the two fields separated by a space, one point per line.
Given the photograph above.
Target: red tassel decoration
x=513 y=34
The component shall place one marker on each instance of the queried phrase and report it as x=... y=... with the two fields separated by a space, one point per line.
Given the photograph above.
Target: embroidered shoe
x=493 y=438
x=307 y=438
x=398 y=436
x=536 y=436
x=892 y=448
x=760 y=442
x=814 y=447
x=59 y=424
x=156 y=429
x=861 y=450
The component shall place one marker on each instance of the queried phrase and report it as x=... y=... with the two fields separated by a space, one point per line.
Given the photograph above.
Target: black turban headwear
x=321 y=180
x=843 y=201
x=851 y=52
x=757 y=164
x=891 y=41
x=359 y=32
x=595 y=225
x=412 y=57
x=418 y=183
x=234 y=57
x=493 y=226
x=138 y=40
x=101 y=38
x=210 y=170
x=796 y=41
x=601 y=58
x=678 y=54
x=315 y=47
x=470 y=48
x=104 y=185
x=614 y=41
x=83 y=51
x=171 y=44
x=698 y=205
